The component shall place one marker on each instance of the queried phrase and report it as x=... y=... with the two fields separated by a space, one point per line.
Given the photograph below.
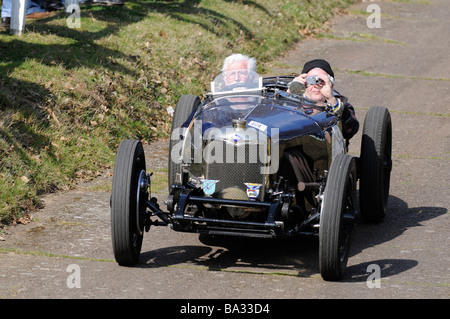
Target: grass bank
x=68 y=96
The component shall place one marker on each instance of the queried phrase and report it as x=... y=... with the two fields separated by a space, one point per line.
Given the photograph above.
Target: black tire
x=126 y=229
x=337 y=217
x=375 y=164
x=185 y=106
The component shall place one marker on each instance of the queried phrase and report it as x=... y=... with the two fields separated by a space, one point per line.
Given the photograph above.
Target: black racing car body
x=255 y=160
x=236 y=152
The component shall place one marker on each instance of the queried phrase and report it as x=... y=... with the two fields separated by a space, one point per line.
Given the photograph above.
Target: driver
x=236 y=68
x=320 y=71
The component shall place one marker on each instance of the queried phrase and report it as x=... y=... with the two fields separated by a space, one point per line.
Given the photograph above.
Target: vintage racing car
x=257 y=160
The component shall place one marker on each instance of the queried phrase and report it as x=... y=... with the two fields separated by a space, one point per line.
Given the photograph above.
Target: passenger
x=324 y=91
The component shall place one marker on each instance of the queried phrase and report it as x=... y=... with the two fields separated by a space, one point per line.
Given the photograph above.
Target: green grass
x=69 y=96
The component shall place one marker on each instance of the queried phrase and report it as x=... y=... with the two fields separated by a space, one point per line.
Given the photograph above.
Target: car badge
x=252 y=190
x=209 y=186
x=236 y=137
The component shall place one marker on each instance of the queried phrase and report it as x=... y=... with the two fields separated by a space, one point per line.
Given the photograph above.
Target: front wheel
x=337 y=217
x=126 y=203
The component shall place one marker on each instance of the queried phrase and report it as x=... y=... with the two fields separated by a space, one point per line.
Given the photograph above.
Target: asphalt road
x=404 y=65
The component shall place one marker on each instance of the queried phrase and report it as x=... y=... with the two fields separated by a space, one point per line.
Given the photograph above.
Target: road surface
x=404 y=65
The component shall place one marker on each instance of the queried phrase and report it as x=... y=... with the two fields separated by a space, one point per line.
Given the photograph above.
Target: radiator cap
x=238 y=123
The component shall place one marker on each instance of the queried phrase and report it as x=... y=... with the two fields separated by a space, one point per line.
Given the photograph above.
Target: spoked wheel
x=375 y=164
x=129 y=194
x=337 y=217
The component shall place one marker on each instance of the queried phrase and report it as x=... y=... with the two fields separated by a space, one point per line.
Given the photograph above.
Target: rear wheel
x=127 y=202
x=375 y=164
x=337 y=217
x=185 y=106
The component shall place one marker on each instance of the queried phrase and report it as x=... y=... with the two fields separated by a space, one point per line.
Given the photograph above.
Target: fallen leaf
x=25 y=179
x=23 y=221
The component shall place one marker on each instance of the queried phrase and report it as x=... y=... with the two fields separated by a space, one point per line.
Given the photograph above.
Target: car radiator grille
x=234 y=165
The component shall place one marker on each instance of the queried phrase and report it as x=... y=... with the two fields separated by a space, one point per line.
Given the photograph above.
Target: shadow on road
x=297 y=256
x=388 y=267
x=399 y=218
